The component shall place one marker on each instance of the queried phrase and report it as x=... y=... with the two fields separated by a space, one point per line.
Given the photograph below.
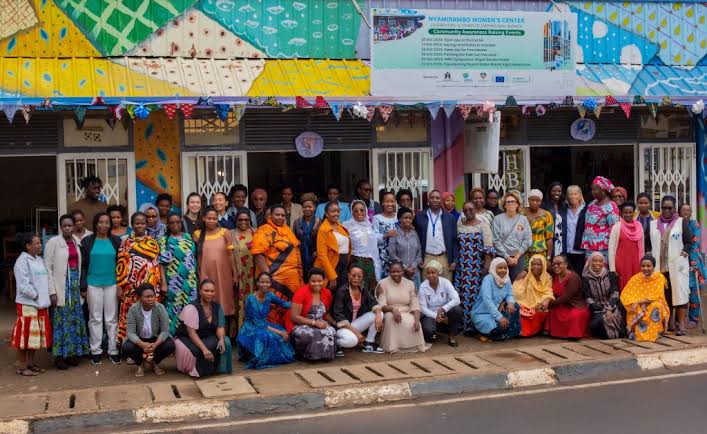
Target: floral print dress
x=178 y=256
x=245 y=265
x=597 y=227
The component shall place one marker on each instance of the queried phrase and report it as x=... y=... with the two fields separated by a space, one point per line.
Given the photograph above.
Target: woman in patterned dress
x=386 y=226
x=697 y=268
x=245 y=266
x=475 y=252
x=310 y=322
x=179 y=279
x=137 y=264
x=647 y=312
x=601 y=215
x=542 y=227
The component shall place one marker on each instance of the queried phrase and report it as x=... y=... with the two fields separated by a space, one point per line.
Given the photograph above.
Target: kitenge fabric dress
x=243 y=241
x=259 y=347
x=137 y=263
x=69 y=333
x=178 y=256
x=475 y=242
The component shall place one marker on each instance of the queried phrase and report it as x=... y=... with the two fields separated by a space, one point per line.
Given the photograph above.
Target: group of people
x=308 y=280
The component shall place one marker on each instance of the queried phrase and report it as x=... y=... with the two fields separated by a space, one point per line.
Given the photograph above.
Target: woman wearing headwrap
x=259 y=202
x=155 y=228
x=626 y=246
x=496 y=313
x=364 y=244
x=602 y=295
x=600 y=216
x=647 y=312
x=449 y=205
x=474 y=253
x=619 y=195
x=554 y=203
x=439 y=305
x=671 y=241
x=542 y=226
x=533 y=293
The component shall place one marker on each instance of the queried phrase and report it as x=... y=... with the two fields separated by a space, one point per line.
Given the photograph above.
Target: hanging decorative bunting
x=222 y=111
x=626 y=107
x=653 y=107
x=525 y=110
x=434 y=109
x=97 y=100
x=336 y=110
x=10 y=111
x=540 y=111
x=141 y=112
x=320 y=103
x=186 y=109
x=449 y=109
x=79 y=115
x=27 y=112
x=638 y=100
x=359 y=111
x=385 y=111
x=300 y=102
x=465 y=110
x=131 y=111
x=486 y=111
x=582 y=111
x=597 y=110
x=111 y=123
x=205 y=100
x=610 y=100
x=118 y=112
x=47 y=103
x=511 y=102
x=170 y=110
x=698 y=107
x=569 y=100
x=238 y=111
x=286 y=107
x=590 y=104
x=553 y=106
x=666 y=101
x=271 y=101
x=370 y=112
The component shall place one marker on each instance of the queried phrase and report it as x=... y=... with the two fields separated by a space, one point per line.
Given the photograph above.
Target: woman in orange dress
x=275 y=249
x=137 y=263
x=333 y=247
x=647 y=312
x=215 y=257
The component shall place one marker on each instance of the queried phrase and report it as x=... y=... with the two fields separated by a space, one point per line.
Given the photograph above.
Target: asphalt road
x=675 y=404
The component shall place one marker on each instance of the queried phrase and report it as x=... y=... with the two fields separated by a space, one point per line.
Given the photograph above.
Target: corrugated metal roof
x=160 y=77
x=648 y=80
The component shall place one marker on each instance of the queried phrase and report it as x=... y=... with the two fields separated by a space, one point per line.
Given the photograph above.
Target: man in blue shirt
x=332 y=193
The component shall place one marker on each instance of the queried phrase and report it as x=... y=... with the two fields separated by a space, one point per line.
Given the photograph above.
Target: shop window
x=666 y=126
x=410 y=127
x=208 y=129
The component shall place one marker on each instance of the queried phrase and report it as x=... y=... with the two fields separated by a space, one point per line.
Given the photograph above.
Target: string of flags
x=382 y=110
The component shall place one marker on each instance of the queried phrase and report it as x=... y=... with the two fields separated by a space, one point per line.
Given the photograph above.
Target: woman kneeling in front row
x=147 y=332
x=356 y=312
x=440 y=305
x=496 y=315
x=309 y=321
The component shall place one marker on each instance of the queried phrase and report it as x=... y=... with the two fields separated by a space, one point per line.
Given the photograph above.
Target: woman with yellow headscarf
x=533 y=293
x=647 y=312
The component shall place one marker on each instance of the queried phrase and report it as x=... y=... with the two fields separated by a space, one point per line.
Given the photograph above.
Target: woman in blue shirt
x=98 y=279
x=496 y=315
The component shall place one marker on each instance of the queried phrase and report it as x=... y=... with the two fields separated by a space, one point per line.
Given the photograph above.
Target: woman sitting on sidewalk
x=309 y=322
x=201 y=347
x=356 y=312
x=439 y=306
x=261 y=343
x=647 y=312
x=533 y=292
x=495 y=314
x=148 y=341
x=569 y=314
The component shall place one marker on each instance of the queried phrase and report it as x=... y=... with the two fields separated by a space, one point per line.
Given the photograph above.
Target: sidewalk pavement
x=110 y=395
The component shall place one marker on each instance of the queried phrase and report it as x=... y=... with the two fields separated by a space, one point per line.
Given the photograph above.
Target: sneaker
x=370 y=348
x=114 y=358
x=339 y=353
x=96 y=359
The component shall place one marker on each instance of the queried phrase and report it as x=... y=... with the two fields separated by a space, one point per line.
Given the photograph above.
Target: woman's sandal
x=37 y=369
x=27 y=372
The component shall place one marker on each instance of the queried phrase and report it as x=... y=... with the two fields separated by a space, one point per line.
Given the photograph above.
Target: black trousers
x=164 y=350
x=454 y=320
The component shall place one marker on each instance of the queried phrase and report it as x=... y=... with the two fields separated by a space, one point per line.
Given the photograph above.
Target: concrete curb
x=362 y=395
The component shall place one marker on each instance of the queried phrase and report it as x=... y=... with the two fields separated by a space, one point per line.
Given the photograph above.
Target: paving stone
x=132 y=396
x=72 y=401
x=278 y=383
x=616 y=343
x=325 y=377
x=697 y=340
x=422 y=367
x=554 y=354
x=477 y=362
x=585 y=350
x=165 y=392
x=455 y=365
x=511 y=359
x=673 y=341
x=605 y=348
x=372 y=372
x=26 y=405
x=645 y=347
x=225 y=386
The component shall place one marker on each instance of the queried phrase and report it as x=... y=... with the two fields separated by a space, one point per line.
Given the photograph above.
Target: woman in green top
x=99 y=252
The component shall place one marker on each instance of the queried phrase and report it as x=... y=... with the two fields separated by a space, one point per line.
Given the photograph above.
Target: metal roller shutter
x=41 y=132
x=611 y=127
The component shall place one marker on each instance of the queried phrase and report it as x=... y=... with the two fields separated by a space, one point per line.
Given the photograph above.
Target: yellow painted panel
x=312 y=78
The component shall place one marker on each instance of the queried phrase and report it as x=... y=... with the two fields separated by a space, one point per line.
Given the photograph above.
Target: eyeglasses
x=359 y=210
x=512 y=202
x=667 y=207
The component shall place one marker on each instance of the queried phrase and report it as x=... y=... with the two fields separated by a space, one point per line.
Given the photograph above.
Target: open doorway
x=272 y=170
x=580 y=164
x=29 y=204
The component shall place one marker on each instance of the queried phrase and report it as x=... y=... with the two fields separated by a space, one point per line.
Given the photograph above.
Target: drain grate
x=324 y=377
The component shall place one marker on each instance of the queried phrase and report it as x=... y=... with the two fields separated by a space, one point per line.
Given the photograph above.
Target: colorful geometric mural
x=157 y=158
